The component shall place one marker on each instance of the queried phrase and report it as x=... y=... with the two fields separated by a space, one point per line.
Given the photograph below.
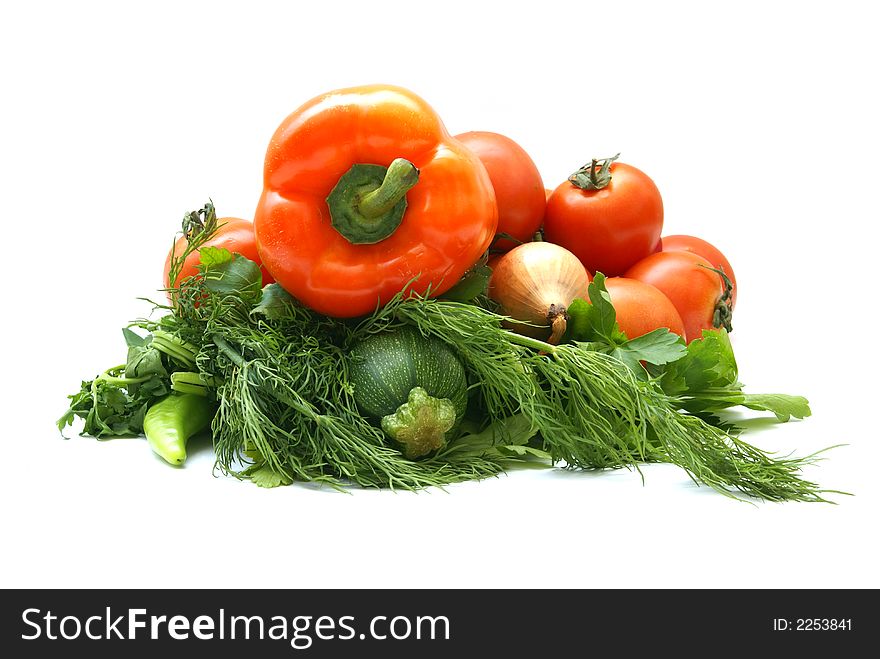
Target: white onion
x=534 y=283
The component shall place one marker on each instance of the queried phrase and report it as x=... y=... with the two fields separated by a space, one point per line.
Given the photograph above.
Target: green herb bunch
x=286 y=411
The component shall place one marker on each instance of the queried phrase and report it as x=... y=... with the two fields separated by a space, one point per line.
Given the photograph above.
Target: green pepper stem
x=368 y=202
x=401 y=176
x=187 y=388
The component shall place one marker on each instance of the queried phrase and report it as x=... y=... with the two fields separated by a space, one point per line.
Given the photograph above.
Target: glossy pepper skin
x=448 y=223
x=169 y=423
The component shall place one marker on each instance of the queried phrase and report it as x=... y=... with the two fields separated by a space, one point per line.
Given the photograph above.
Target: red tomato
x=694 y=290
x=609 y=228
x=708 y=251
x=642 y=308
x=234 y=234
x=519 y=190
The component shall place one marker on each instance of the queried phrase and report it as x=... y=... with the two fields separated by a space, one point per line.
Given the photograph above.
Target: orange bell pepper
x=365 y=190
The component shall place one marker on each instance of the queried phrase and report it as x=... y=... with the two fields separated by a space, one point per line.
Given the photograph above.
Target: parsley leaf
x=114 y=403
x=212 y=257
x=782 y=405
x=472 y=284
x=231 y=274
x=657 y=347
x=266 y=476
x=276 y=303
x=594 y=324
x=708 y=364
x=706 y=380
x=508 y=438
x=108 y=409
x=601 y=317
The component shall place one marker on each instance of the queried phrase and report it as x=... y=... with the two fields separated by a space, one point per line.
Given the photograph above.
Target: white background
x=757 y=121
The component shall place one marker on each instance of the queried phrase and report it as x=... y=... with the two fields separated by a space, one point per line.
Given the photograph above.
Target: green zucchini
x=415 y=385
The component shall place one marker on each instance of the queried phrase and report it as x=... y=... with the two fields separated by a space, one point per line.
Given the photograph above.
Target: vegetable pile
x=409 y=309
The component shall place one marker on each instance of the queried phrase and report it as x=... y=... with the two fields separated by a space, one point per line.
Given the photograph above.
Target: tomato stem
x=595 y=175
x=368 y=202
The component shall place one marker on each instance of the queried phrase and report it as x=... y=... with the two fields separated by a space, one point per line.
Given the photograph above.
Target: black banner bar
x=429 y=623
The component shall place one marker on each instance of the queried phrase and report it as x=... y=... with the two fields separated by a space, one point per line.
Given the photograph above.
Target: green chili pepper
x=169 y=423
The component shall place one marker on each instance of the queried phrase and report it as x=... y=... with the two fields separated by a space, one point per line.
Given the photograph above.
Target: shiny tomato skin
x=519 y=189
x=608 y=229
x=642 y=308
x=234 y=234
x=698 y=246
x=687 y=281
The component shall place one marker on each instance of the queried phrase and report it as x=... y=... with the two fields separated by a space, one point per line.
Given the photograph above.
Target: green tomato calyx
x=595 y=175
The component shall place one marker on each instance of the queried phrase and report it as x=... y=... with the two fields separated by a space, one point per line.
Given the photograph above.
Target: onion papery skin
x=534 y=283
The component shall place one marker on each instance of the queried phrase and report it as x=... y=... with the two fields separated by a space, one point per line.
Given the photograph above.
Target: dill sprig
x=287 y=413
x=286 y=407
x=594 y=413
